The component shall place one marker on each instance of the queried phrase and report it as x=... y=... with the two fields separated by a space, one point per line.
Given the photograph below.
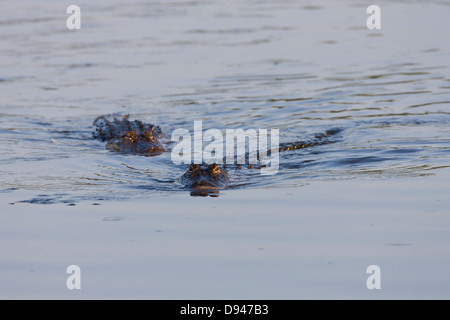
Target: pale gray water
x=290 y=65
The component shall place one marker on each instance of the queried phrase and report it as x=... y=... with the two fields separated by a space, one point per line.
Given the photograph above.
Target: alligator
x=205 y=180
x=133 y=137
x=139 y=138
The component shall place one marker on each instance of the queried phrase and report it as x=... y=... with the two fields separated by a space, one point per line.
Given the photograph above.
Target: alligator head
x=108 y=127
x=138 y=143
x=204 y=180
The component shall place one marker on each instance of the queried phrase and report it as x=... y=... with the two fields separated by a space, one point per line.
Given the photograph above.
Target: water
x=290 y=65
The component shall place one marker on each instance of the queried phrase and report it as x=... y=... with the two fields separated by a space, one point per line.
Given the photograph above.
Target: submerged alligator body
x=139 y=138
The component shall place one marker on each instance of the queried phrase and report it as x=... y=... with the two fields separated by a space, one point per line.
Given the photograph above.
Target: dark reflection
x=205 y=193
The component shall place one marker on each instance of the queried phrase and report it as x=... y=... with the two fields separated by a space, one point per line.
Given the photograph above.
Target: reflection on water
x=254 y=64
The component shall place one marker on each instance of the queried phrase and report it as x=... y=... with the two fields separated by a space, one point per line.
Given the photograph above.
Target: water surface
x=289 y=65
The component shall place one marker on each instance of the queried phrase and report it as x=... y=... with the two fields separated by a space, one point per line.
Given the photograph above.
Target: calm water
x=290 y=65
x=287 y=65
